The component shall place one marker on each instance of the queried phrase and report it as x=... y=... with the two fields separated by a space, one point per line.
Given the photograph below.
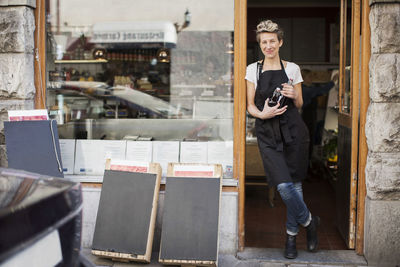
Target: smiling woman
x=269 y=44
x=281 y=134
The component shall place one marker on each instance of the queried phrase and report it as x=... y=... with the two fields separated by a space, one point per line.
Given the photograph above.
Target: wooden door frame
x=351 y=120
x=40 y=54
x=364 y=103
x=355 y=84
x=239 y=121
x=359 y=103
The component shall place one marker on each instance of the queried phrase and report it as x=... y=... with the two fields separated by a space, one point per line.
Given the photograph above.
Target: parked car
x=40 y=220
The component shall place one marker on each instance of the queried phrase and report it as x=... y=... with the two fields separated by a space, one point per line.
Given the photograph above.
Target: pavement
x=257 y=257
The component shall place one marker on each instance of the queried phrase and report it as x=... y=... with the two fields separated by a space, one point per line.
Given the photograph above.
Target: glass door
x=346 y=184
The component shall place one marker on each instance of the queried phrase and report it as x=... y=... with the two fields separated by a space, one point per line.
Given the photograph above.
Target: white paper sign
x=91 y=155
x=165 y=152
x=221 y=153
x=139 y=151
x=193 y=152
x=67 y=147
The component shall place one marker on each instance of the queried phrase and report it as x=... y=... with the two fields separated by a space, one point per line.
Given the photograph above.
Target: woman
x=282 y=135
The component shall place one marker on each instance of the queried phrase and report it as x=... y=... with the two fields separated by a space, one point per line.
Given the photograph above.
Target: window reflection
x=148 y=72
x=137 y=69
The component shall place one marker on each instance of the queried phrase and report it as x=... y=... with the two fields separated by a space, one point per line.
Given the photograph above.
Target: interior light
x=99 y=53
x=163 y=55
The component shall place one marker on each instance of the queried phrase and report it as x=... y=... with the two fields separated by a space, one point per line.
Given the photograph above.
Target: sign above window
x=134 y=32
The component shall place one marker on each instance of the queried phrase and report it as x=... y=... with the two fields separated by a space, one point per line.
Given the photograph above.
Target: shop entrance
x=318 y=37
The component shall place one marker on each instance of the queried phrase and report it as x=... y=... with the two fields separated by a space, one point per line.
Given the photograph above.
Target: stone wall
x=382 y=221
x=17 y=90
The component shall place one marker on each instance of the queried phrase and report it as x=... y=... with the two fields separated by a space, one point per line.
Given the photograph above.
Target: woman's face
x=270 y=44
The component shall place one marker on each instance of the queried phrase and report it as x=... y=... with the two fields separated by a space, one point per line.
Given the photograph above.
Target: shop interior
x=311 y=40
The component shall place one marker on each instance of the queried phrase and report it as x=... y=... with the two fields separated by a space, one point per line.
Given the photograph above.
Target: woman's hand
x=289 y=91
x=270 y=112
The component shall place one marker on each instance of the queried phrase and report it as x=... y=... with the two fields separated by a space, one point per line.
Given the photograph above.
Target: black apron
x=282 y=140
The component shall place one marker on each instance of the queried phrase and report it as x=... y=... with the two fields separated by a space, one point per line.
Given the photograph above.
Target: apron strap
x=282 y=66
x=283 y=69
x=259 y=69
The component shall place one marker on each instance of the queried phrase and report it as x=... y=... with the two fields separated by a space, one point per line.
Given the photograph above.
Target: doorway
x=312 y=40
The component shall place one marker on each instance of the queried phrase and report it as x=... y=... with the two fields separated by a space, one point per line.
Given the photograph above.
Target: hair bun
x=267 y=26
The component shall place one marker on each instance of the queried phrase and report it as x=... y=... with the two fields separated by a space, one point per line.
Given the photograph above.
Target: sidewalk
x=256 y=257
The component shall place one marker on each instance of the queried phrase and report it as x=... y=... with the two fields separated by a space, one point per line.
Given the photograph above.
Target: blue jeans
x=297 y=211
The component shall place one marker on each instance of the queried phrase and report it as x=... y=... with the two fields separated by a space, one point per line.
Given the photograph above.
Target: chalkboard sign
x=191 y=220
x=33 y=146
x=126 y=217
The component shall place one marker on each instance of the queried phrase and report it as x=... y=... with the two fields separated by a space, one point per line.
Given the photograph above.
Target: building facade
x=17 y=56
x=382 y=129
x=382 y=206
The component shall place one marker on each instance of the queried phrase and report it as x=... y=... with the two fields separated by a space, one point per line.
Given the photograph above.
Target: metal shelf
x=80 y=61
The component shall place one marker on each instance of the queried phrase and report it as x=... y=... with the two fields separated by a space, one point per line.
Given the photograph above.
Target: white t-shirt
x=292 y=71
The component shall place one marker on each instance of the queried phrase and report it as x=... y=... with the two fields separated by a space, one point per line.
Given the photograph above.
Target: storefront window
x=152 y=71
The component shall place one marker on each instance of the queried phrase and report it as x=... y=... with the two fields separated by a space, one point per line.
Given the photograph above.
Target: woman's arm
x=268 y=112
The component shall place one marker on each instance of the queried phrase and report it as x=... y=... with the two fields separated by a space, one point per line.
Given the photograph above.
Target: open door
x=348 y=120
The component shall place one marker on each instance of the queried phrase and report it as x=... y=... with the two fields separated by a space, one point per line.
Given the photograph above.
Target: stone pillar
x=17 y=89
x=382 y=207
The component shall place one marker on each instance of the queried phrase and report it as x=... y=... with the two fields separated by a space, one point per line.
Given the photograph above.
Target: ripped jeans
x=297 y=211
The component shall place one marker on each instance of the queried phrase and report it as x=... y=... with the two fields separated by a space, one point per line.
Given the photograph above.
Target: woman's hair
x=269 y=26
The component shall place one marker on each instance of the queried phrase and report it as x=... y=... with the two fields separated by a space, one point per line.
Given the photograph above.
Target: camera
x=277 y=97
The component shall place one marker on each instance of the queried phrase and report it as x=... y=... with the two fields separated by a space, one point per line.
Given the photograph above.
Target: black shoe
x=312 y=236
x=290 y=247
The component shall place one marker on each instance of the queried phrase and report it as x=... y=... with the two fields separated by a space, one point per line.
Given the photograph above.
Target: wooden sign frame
x=211 y=171
x=153 y=168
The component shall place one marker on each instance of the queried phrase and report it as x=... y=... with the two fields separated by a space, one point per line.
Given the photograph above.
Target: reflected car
x=98 y=99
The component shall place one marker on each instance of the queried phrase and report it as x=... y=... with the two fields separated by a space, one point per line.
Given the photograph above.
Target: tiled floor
x=265 y=225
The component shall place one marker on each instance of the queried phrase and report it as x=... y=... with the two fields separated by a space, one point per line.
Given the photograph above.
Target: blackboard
x=123 y=222
x=33 y=146
x=190 y=219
